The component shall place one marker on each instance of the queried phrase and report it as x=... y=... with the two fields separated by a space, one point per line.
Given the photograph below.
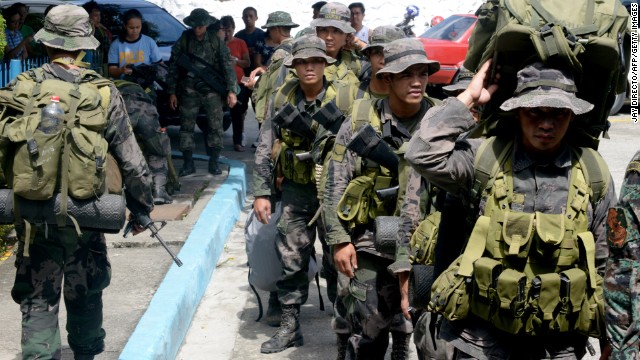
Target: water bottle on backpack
x=52 y=117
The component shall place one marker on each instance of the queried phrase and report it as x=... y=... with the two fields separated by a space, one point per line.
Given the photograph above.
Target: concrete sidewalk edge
x=162 y=328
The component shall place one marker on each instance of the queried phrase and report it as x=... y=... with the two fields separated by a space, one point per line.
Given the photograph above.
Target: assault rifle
x=143 y=219
x=216 y=82
x=290 y=118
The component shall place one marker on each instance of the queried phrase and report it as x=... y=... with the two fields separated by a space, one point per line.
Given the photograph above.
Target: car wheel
x=617 y=104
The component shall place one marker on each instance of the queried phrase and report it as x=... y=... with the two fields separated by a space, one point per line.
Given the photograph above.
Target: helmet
x=412 y=11
x=436 y=20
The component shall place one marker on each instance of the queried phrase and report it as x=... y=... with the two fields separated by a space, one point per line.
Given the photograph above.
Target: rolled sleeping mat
x=420 y=281
x=106 y=213
x=386 y=234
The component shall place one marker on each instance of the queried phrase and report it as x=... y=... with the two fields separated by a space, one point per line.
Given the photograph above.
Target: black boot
x=343 y=341
x=288 y=334
x=160 y=194
x=400 y=345
x=274 y=311
x=188 y=167
x=214 y=169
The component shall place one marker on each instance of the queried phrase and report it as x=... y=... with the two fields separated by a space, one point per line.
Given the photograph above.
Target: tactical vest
x=267 y=83
x=349 y=93
x=359 y=205
x=346 y=70
x=528 y=273
x=298 y=171
x=623 y=267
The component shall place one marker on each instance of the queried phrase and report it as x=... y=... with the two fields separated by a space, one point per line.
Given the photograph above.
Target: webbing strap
x=588 y=244
x=490 y=156
x=475 y=247
x=29 y=236
x=589 y=26
x=61 y=217
x=595 y=171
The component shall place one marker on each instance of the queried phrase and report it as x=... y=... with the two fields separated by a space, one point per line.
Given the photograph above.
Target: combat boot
x=188 y=167
x=288 y=334
x=160 y=194
x=214 y=169
x=343 y=341
x=274 y=311
x=400 y=345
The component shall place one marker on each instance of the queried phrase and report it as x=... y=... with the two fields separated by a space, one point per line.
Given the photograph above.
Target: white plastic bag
x=265 y=268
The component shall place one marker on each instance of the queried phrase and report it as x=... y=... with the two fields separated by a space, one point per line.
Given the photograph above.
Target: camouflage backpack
x=37 y=165
x=621 y=283
x=589 y=36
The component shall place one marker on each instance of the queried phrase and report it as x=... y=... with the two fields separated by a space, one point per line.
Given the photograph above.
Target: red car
x=447 y=43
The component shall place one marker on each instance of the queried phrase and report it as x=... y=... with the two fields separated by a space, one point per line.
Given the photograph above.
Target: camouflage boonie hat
x=308 y=46
x=382 y=35
x=199 y=17
x=334 y=14
x=539 y=86
x=402 y=53
x=67 y=27
x=279 y=18
x=462 y=82
x=309 y=30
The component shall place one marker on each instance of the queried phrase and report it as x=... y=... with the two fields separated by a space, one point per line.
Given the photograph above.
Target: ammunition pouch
x=353 y=207
x=294 y=167
x=288 y=117
x=106 y=213
x=423 y=240
x=386 y=234
x=368 y=144
x=330 y=117
x=450 y=293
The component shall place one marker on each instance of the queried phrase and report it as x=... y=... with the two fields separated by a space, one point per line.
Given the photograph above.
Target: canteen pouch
x=423 y=240
x=549 y=239
x=511 y=289
x=294 y=169
x=450 y=293
x=544 y=300
x=484 y=298
x=517 y=230
x=353 y=207
x=573 y=288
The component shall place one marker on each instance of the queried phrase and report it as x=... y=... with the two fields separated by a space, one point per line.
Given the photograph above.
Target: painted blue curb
x=162 y=328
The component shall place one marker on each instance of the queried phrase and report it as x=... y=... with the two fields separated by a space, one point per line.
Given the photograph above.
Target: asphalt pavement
x=205 y=309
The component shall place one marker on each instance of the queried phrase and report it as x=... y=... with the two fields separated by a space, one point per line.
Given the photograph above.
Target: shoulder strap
x=362 y=114
x=283 y=93
x=490 y=157
x=596 y=172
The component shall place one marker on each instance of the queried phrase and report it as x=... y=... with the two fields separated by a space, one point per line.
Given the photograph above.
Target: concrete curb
x=162 y=328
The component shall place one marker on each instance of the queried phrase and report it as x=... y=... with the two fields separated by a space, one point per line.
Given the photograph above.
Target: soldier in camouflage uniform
x=542 y=165
x=373 y=296
x=621 y=283
x=333 y=25
x=194 y=93
x=61 y=259
x=295 y=179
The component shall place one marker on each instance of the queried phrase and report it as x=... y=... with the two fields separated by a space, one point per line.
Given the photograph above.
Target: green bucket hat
x=382 y=35
x=308 y=46
x=334 y=14
x=199 y=17
x=67 y=27
x=309 y=30
x=279 y=18
x=462 y=81
x=402 y=53
x=539 y=86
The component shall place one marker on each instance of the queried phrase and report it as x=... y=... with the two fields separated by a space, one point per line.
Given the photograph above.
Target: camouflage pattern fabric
x=279 y=18
x=67 y=28
x=58 y=254
x=346 y=70
x=621 y=283
x=334 y=14
x=191 y=101
x=63 y=262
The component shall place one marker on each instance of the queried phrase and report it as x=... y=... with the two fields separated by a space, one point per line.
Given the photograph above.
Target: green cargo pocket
x=591 y=319
x=377 y=206
x=573 y=287
x=484 y=298
x=423 y=240
x=353 y=207
x=549 y=236
x=450 y=294
x=511 y=288
x=517 y=230
x=298 y=171
x=87 y=156
x=545 y=301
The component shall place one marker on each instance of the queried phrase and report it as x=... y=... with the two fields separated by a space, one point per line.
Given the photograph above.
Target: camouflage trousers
x=61 y=261
x=294 y=244
x=428 y=343
x=190 y=103
x=373 y=307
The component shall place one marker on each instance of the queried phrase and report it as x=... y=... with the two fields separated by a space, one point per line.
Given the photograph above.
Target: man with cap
x=537 y=235
x=210 y=57
x=279 y=25
x=62 y=259
x=294 y=104
x=334 y=27
x=372 y=297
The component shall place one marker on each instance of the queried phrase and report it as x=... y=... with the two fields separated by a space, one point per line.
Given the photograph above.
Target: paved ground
x=223 y=326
